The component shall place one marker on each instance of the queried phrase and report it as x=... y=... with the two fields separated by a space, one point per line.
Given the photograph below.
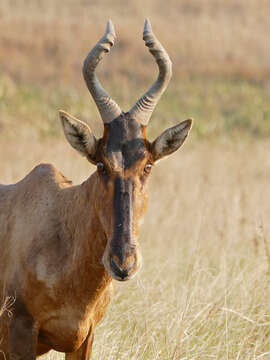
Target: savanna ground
x=204 y=291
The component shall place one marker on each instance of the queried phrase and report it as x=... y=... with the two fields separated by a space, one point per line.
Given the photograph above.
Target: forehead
x=124 y=141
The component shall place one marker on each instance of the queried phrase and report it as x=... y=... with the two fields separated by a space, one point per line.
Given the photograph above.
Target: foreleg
x=4 y=336
x=22 y=334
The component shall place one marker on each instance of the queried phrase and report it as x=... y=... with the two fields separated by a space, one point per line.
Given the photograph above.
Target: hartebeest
x=61 y=245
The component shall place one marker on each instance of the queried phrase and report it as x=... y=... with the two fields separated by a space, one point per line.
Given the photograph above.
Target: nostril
x=121 y=271
x=131 y=264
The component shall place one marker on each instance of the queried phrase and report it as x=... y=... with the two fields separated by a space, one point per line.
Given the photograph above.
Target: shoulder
x=47 y=173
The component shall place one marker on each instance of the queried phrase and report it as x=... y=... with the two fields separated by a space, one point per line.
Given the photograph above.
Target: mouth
x=118 y=278
x=115 y=277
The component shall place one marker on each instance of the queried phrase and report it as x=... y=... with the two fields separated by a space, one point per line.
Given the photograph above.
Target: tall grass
x=220 y=106
x=218 y=49
x=46 y=40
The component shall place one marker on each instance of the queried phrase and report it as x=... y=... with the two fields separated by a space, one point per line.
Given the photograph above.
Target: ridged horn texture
x=107 y=107
x=144 y=107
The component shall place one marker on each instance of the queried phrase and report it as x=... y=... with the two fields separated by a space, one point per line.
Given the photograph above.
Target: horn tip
x=110 y=28
x=62 y=112
x=147 y=26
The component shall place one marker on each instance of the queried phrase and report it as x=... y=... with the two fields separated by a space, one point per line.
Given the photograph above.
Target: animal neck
x=83 y=231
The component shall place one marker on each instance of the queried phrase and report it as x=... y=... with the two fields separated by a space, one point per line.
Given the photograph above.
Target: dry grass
x=221 y=107
x=2 y=309
x=6 y=305
x=204 y=289
x=220 y=53
x=46 y=40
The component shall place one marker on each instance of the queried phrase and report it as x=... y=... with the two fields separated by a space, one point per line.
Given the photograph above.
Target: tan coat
x=51 y=261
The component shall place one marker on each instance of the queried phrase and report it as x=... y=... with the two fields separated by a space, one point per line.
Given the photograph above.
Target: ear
x=170 y=140
x=79 y=135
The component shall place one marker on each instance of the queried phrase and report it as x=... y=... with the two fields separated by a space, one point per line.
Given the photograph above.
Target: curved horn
x=144 y=107
x=108 y=109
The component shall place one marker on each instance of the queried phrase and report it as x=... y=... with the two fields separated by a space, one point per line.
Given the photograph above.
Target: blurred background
x=220 y=52
x=204 y=291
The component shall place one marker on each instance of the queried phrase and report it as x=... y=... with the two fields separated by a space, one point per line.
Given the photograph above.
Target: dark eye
x=100 y=167
x=147 y=168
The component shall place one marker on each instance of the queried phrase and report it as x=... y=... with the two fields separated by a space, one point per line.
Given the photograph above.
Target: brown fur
x=50 y=265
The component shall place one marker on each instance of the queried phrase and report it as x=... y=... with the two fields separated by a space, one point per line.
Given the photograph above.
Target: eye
x=100 y=167
x=147 y=168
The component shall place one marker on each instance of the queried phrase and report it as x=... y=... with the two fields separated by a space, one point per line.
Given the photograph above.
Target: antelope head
x=123 y=156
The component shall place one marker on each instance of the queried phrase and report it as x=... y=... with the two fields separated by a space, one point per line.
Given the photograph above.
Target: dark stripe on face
x=123 y=218
x=124 y=139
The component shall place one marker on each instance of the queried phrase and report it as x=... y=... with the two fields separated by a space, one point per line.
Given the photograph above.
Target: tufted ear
x=170 y=140
x=79 y=135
